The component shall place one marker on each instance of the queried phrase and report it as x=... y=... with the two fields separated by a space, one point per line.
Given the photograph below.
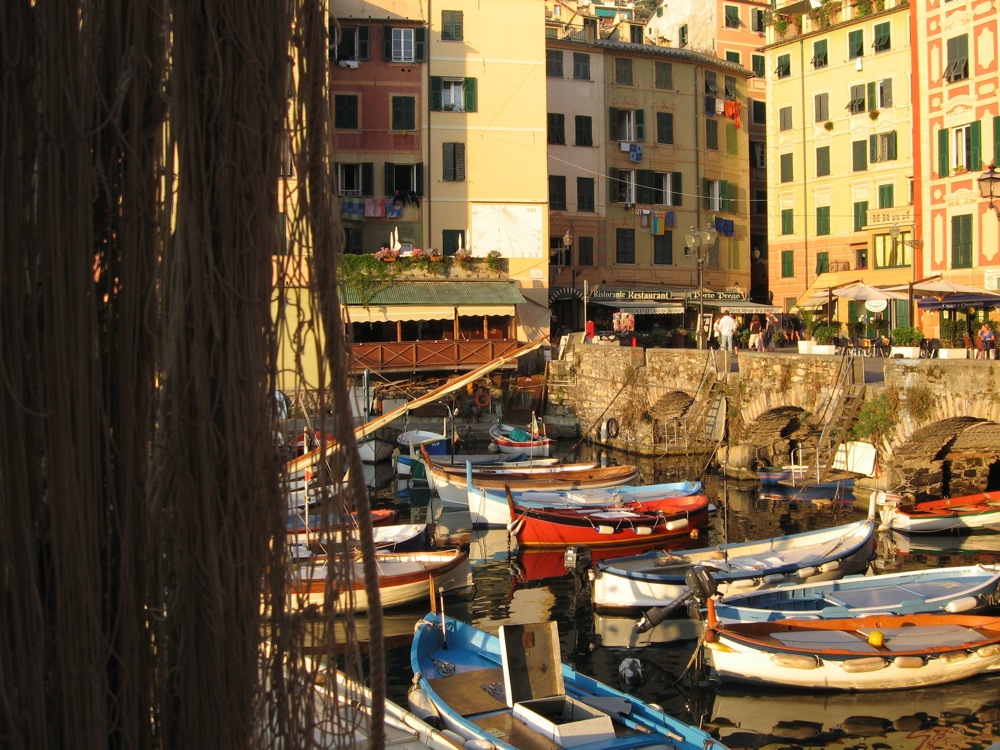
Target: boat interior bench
x=886 y=596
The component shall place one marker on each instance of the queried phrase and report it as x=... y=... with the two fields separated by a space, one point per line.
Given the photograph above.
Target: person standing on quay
x=727 y=327
x=755 y=343
x=770 y=329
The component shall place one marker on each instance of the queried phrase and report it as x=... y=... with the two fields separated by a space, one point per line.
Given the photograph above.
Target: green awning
x=606 y=12
x=453 y=293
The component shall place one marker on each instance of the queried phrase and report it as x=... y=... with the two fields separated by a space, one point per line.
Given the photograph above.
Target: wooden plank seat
x=464 y=692
x=885 y=596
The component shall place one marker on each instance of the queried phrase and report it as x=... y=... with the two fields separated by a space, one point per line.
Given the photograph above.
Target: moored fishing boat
x=374 y=450
x=435 y=443
x=964 y=513
x=515 y=440
x=403 y=577
x=659 y=579
x=405 y=461
x=969 y=590
x=462 y=677
x=877 y=652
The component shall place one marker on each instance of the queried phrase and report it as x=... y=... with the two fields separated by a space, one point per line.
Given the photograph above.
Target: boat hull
x=375 y=450
x=434 y=443
x=964 y=513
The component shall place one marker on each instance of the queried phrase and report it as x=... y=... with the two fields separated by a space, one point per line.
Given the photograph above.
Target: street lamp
x=700 y=243
x=989 y=187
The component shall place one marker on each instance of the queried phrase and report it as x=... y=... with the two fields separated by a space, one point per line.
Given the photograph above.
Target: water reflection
x=514 y=587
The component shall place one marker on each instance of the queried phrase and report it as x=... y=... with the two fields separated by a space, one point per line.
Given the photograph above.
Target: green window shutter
x=706 y=198
x=612 y=185
x=644 y=186
x=368 y=178
x=860 y=156
x=675 y=189
x=823 y=220
x=364 y=43
x=787 y=221
x=943 y=152
x=471 y=100
x=668 y=127
x=822 y=161
x=724 y=196
x=975 y=145
x=787 y=264
x=734 y=195
x=640 y=125
x=731 y=147
x=860 y=215
x=419 y=187
x=822 y=262
x=885 y=196
x=961 y=241
x=387 y=43
x=613 y=123
x=872 y=98
x=872 y=149
x=390 y=178
x=436 y=93
x=420 y=44
x=758 y=65
x=891 y=150
x=996 y=140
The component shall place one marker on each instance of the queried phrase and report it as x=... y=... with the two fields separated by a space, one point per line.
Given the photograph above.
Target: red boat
x=651 y=522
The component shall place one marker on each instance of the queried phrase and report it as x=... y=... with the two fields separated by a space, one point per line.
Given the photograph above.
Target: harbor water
x=519 y=587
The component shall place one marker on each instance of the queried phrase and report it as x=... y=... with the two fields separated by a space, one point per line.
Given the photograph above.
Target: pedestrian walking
x=727 y=327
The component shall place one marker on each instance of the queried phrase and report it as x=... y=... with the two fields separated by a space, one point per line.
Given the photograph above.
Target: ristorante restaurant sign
x=666 y=295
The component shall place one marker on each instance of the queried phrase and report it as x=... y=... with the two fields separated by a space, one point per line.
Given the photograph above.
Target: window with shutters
x=584 y=126
x=882 y=147
x=859 y=156
x=623 y=71
x=554 y=63
x=626 y=124
x=453 y=94
x=732 y=145
x=957 y=68
x=453 y=162
x=886 y=197
x=856 y=104
x=711 y=85
x=821 y=109
x=758 y=155
x=883 y=37
x=784 y=68
x=403 y=45
x=822 y=263
x=682 y=36
x=860 y=215
x=758 y=63
x=787 y=174
x=730 y=88
x=404 y=113
x=884 y=93
x=758 y=111
x=732 y=16
x=663 y=248
x=621 y=186
x=758 y=21
x=557 y=192
x=855 y=44
x=787 y=221
x=666 y=189
x=557 y=127
x=822 y=220
x=785 y=118
x=821 y=57
x=581 y=66
x=664 y=75
x=452 y=26
x=732 y=56
x=585 y=251
x=787 y=264
x=823 y=161
x=345 y=112
x=966 y=148
x=624 y=245
x=961 y=241
x=665 y=127
x=712 y=134
x=403 y=178
x=352 y=43
x=355 y=179
x=713 y=195
x=585 y=195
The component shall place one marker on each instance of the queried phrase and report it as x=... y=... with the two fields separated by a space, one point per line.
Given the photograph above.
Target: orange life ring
x=483 y=399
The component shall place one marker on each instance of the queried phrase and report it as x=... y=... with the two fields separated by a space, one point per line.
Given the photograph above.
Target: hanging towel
x=352 y=210
x=374 y=207
x=393 y=208
x=624 y=146
x=730 y=108
x=657 y=219
x=736 y=115
x=720 y=225
x=720 y=106
x=670 y=218
x=730 y=227
x=635 y=152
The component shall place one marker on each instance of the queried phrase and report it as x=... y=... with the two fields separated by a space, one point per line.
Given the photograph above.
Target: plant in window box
x=464 y=256
x=873 y=114
x=494 y=261
x=828 y=125
x=387 y=255
x=434 y=254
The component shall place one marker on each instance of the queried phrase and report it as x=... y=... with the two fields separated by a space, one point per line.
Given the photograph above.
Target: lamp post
x=989 y=188
x=700 y=242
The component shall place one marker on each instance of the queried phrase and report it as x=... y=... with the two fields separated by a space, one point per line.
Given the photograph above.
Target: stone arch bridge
x=939 y=420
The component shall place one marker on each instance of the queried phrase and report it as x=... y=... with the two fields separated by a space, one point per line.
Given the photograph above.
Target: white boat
x=877 y=652
x=515 y=440
x=375 y=450
x=659 y=579
x=403 y=578
x=435 y=443
x=405 y=462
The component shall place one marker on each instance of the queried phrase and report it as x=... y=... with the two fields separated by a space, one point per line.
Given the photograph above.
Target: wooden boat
x=967 y=590
x=964 y=513
x=523 y=468
x=669 y=518
x=454 y=490
x=463 y=679
x=515 y=440
x=489 y=507
x=403 y=578
x=877 y=652
x=659 y=579
x=405 y=462
x=321 y=523
x=982 y=546
x=375 y=450
x=534 y=564
x=402 y=537
x=435 y=443
x=789 y=474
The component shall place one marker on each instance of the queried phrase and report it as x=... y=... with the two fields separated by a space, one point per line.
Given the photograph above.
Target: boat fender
x=795 y=661
x=806 y=572
x=988 y=651
x=864 y=664
x=605 y=529
x=483 y=399
x=515 y=526
x=422 y=706
x=909 y=662
x=962 y=604
x=677 y=524
x=613 y=428
x=701 y=582
x=479 y=745
x=955 y=656
x=743 y=583
x=773 y=579
x=645 y=530
x=454 y=737
x=829 y=567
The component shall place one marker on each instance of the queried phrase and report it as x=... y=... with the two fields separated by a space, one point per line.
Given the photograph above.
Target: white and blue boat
x=512 y=691
x=969 y=589
x=436 y=443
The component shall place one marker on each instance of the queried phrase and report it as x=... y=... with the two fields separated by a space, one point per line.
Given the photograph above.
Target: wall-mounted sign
x=876 y=305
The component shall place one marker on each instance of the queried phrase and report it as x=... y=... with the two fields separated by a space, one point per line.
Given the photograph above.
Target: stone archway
x=774 y=433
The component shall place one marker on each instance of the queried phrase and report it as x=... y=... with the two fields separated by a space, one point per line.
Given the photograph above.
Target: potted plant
x=953 y=340
x=828 y=125
x=823 y=338
x=808 y=322
x=464 y=256
x=906 y=342
x=494 y=261
x=387 y=254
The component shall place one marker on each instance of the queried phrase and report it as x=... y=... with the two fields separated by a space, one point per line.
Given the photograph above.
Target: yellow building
x=840 y=169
